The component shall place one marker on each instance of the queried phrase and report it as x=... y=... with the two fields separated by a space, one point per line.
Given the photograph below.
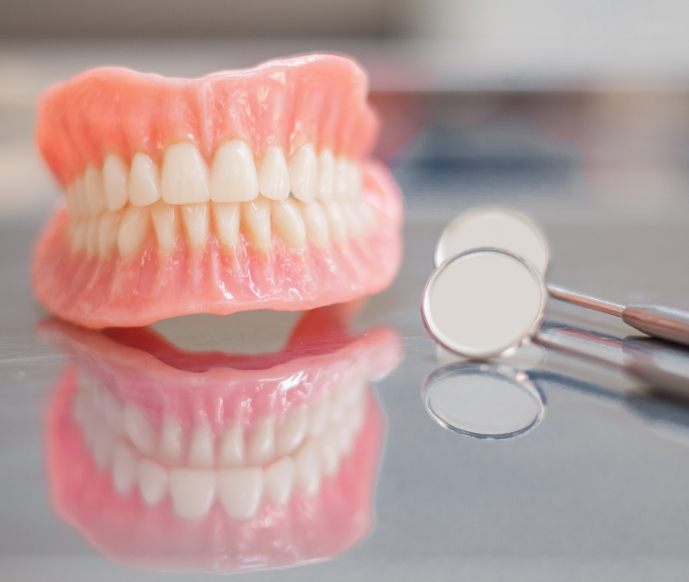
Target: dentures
x=236 y=191
x=223 y=465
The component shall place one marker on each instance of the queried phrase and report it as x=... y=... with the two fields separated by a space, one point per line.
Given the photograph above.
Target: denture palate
x=308 y=195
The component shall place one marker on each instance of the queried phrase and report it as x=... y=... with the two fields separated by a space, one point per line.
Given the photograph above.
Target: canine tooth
x=233 y=175
x=279 y=481
x=226 y=219
x=288 y=223
x=138 y=429
x=261 y=442
x=123 y=469
x=318 y=415
x=107 y=232
x=232 y=447
x=133 y=229
x=273 y=176
x=326 y=174
x=195 y=219
x=341 y=182
x=192 y=492
x=166 y=224
x=308 y=468
x=292 y=431
x=240 y=491
x=201 y=450
x=256 y=222
x=152 y=481
x=93 y=187
x=315 y=222
x=303 y=173
x=114 y=182
x=144 y=182
x=336 y=220
x=170 y=446
x=184 y=177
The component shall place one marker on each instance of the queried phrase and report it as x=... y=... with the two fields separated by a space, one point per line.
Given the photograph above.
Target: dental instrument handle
x=655 y=320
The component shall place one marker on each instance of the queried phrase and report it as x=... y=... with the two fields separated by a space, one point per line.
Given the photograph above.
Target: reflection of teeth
x=307 y=468
x=261 y=442
x=138 y=429
x=152 y=481
x=201 y=453
x=184 y=178
x=273 y=176
x=123 y=469
x=170 y=447
x=232 y=447
x=114 y=182
x=192 y=491
x=144 y=184
x=233 y=175
x=303 y=173
x=240 y=491
x=292 y=431
x=279 y=480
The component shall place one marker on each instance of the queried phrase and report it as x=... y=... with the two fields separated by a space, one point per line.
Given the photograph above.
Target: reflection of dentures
x=165 y=458
x=214 y=194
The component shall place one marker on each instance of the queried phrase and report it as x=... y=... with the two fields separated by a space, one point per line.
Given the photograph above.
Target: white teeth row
x=241 y=490
x=292 y=221
x=233 y=176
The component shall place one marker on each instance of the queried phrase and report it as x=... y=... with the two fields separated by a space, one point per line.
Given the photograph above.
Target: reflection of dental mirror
x=484 y=302
x=510 y=230
x=483 y=401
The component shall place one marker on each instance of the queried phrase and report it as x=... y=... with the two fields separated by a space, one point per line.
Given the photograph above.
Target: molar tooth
x=123 y=469
x=152 y=481
x=303 y=173
x=195 y=219
x=138 y=429
x=279 y=480
x=184 y=178
x=316 y=222
x=233 y=175
x=192 y=491
x=261 y=442
x=232 y=447
x=170 y=446
x=133 y=230
x=144 y=182
x=226 y=223
x=107 y=232
x=240 y=491
x=341 y=181
x=326 y=174
x=166 y=225
x=308 y=468
x=256 y=222
x=288 y=223
x=336 y=220
x=292 y=431
x=114 y=182
x=201 y=447
x=273 y=177
x=93 y=187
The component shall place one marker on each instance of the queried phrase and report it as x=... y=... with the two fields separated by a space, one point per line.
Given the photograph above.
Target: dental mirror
x=483 y=401
x=510 y=230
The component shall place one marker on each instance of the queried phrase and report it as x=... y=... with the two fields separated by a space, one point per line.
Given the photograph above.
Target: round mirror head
x=500 y=228
x=483 y=303
x=483 y=401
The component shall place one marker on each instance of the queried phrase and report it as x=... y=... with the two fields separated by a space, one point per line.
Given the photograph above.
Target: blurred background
x=538 y=100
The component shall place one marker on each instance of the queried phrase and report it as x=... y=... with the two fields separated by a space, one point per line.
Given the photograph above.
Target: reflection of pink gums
x=306 y=529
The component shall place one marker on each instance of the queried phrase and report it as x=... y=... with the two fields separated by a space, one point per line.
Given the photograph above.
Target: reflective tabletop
x=358 y=480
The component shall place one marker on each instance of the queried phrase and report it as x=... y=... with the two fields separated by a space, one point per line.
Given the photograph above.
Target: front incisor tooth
x=133 y=230
x=261 y=442
x=144 y=183
x=114 y=182
x=233 y=175
x=288 y=223
x=303 y=173
x=273 y=176
x=326 y=174
x=316 y=222
x=166 y=225
x=184 y=177
x=195 y=219
x=256 y=222
x=240 y=491
x=192 y=491
x=226 y=223
x=93 y=186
